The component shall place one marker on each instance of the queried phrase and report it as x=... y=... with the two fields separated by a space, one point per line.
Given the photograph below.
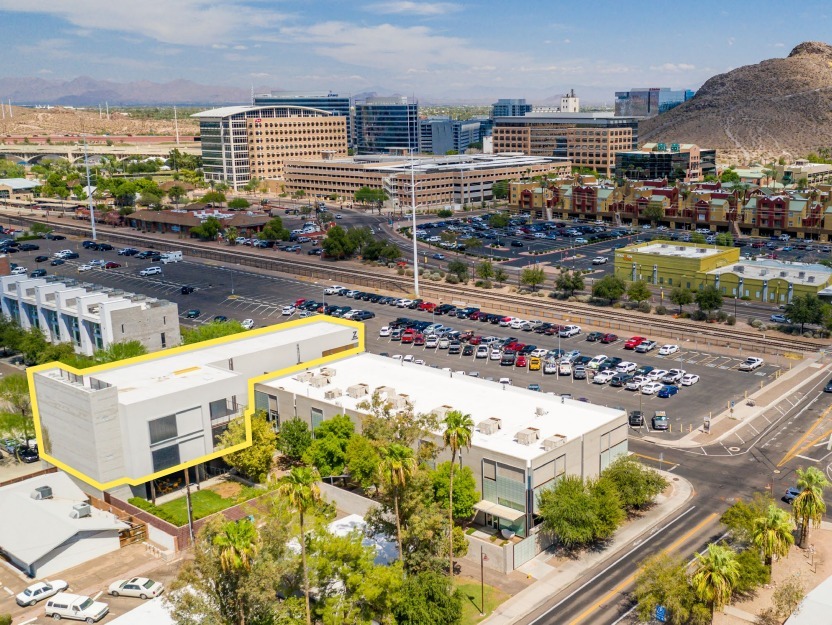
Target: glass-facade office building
x=332 y=102
x=383 y=125
x=649 y=102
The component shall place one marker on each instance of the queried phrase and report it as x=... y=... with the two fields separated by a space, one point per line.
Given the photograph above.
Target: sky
x=467 y=51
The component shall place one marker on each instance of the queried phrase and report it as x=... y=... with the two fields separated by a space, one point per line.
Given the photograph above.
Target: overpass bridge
x=74 y=152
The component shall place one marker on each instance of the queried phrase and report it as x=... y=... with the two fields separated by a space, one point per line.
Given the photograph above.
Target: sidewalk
x=556 y=579
x=808 y=372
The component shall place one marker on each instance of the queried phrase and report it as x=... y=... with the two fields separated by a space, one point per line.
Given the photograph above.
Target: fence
x=28 y=476
x=346 y=500
x=529 y=547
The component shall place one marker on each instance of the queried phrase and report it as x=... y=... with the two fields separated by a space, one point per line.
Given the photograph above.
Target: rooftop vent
x=528 y=436
x=700 y=250
x=388 y=392
x=441 y=411
x=80 y=510
x=810 y=279
x=681 y=248
x=663 y=245
x=740 y=268
x=304 y=377
x=800 y=274
x=333 y=393
x=42 y=492
x=783 y=274
x=539 y=411
x=319 y=381
x=554 y=441
x=763 y=272
x=357 y=391
x=328 y=372
x=490 y=425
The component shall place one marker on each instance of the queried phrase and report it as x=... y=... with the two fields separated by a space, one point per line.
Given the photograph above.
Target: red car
x=427 y=306
x=521 y=361
x=111 y=265
x=299 y=302
x=466 y=336
x=419 y=339
x=609 y=338
x=474 y=315
x=634 y=342
x=408 y=336
x=475 y=340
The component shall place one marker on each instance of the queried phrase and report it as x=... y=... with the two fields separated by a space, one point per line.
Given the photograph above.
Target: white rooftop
x=32 y=528
x=428 y=389
x=440 y=164
x=796 y=273
x=168 y=373
x=20 y=183
x=669 y=248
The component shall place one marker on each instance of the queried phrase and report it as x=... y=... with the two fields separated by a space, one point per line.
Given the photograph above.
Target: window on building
x=162 y=429
x=165 y=458
x=317 y=418
x=164 y=343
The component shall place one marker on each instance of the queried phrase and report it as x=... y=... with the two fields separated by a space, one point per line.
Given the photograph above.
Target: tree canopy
x=609 y=288
x=257 y=460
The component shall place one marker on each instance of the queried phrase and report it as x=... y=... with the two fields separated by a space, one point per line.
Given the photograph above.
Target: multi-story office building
x=510 y=108
x=649 y=102
x=801 y=170
x=524 y=441
x=586 y=139
x=569 y=103
x=332 y=102
x=119 y=425
x=239 y=142
x=439 y=181
x=386 y=125
x=89 y=316
x=439 y=135
x=670 y=161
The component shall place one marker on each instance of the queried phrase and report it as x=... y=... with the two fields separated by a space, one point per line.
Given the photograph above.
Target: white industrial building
x=524 y=440
x=122 y=423
x=89 y=316
x=49 y=526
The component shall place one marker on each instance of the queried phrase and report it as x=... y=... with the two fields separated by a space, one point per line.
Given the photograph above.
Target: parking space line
x=807 y=458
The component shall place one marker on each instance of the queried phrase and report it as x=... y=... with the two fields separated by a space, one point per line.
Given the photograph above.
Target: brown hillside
x=779 y=107
x=60 y=121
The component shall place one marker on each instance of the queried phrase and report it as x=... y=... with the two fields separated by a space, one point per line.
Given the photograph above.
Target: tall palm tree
x=772 y=533
x=716 y=575
x=396 y=468
x=238 y=544
x=459 y=428
x=809 y=505
x=300 y=488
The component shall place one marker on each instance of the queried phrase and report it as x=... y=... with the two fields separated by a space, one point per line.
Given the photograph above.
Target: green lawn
x=471 y=600
x=203 y=503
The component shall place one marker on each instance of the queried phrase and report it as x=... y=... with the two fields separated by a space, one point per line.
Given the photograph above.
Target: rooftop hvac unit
x=42 y=492
x=554 y=441
x=539 y=411
x=80 y=510
x=401 y=401
x=810 y=279
x=333 y=393
x=528 y=436
x=681 y=248
x=700 y=250
x=319 y=381
x=357 y=391
x=763 y=272
x=442 y=411
x=304 y=377
x=388 y=392
x=663 y=245
x=328 y=372
x=800 y=274
x=740 y=268
x=783 y=274
x=489 y=426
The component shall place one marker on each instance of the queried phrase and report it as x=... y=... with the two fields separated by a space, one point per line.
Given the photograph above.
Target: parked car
x=599 y=260
x=40 y=591
x=187 y=290
x=751 y=363
x=84 y=267
x=41 y=259
x=689 y=379
x=651 y=388
x=287 y=310
x=636 y=418
x=193 y=313
x=634 y=342
x=660 y=420
x=111 y=265
x=248 y=324
x=777 y=318
x=38 y=273
x=673 y=376
x=828 y=387
x=220 y=318
x=646 y=346
x=140 y=587
x=669 y=390
x=76 y=607
x=57 y=261
x=569 y=331
x=792 y=493
x=28 y=454
x=603 y=377
x=667 y=350
x=592 y=337
x=609 y=338
x=150 y=271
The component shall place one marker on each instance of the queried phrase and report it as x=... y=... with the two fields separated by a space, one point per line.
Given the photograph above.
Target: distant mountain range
x=86 y=91
x=757 y=112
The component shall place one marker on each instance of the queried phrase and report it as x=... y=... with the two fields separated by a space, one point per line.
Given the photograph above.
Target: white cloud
x=386 y=46
x=259 y=74
x=188 y=22
x=731 y=41
x=219 y=46
x=406 y=7
x=779 y=45
x=673 y=68
x=567 y=41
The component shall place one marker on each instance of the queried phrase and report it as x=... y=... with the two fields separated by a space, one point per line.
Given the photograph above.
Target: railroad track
x=497 y=302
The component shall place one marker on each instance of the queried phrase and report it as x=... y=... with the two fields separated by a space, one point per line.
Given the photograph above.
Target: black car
x=41 y=259
x=187 y=290
x=468 y=350
x=57 y=261
x=315 y=251
x=220 y=318
x=636 y=417
x=193 y=313
x=28 y=454
x=89 y=245
x=128 y=251
x=146 y=254
x=38 y=273
x=105 y=247
x=55 y=237
x=28 y=247
x=594 y=336
x=362 y=315
x=828 y=387
x=70 y=255
x=516 y=243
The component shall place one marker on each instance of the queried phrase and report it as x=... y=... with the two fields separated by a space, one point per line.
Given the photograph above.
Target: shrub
x=408 y=273
x=645 y=307
x=619 y=305
x=731 y=320
x=698 y=315
x=451 y=279
x=756 y=323
x=808 y=335
x=485 y=284
x=661 y=310
x=751 y=321
x=746 y=298
x=722 y=316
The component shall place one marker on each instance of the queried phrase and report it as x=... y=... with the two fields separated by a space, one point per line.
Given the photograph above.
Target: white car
x=62 y=253
x=656 y=374
x=288 y=310
x=646 y=346
x=140 y=587
x=333 y=290
x=626 y=367
x=384 y=331
x=85 y=267
x=248 y=324
x=482 y=352
x=19 y=271
x=570 y=331
x=517 y=324
x=599 y=260
x=404 y=303
x=751 y=363
x=504 y=381
x=149 y=271
x=408 y=358
x=496 y=354
x=673 y=376
x=444 y=343
x=651 y=388
x=98 y=262
x=636 y=383
x=667 y=350
x=539 y=352
x=39 y=591
x=690 y=379
x=550 y=367
x=603 y=377
x=507 y=321
x=596 y=362
x=432 y=342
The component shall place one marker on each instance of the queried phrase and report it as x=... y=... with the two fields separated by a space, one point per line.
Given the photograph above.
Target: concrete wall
x=351 y=503
x=142 y=323
x=81 y=548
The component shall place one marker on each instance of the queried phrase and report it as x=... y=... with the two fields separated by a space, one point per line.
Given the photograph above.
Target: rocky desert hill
x=779 y=107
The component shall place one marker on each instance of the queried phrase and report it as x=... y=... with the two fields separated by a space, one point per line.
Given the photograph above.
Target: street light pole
x=413 y=226
x=89 y=190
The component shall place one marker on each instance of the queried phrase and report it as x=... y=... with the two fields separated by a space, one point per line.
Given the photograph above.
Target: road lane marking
x=97 y=595
x=807 y=458
x=630 y=578
x=794 y=448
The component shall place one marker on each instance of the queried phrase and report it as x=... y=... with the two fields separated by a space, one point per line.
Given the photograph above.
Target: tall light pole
x=413 y=226
x=89 y=190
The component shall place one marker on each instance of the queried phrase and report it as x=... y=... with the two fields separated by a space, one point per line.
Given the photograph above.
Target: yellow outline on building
x=311 y=364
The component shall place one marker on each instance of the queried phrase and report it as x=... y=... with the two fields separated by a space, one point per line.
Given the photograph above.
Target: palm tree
x=459 y=429
x=809 y=504
x=300 y=488
x=396 y=468
x=716 y=575
x=772 y=533
x=238 y=544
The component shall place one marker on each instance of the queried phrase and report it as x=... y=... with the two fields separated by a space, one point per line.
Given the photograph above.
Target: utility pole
x=89 y=189
x=190 y=510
